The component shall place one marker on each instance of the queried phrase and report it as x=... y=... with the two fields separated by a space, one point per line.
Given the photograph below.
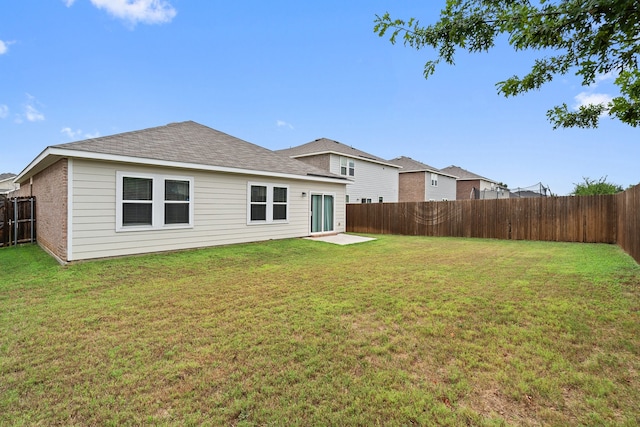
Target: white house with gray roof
x=179 y=186
x=6 y=183
x=371 y=178
x=419 y=182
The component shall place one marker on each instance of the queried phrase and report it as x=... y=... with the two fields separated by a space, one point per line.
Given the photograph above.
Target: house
x=472 y=186
x=179 y=186
x=372 y=179
x=419 y=182
x=6 y=183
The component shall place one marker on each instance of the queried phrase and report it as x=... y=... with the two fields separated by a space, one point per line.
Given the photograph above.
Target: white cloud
x=92 y=135
x=4 y=111
x=283 y=124
x=70 y=132
x=607 y=76
x=134 y=11
x=586 y=98
x=31 y=112
x=4 y=47
x=77 y=134
x=68 y=3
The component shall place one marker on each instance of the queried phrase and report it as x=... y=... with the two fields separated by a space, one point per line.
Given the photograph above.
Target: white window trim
x=269 y=203
x=434 y=179
x=157 y=201
x=323 y=194
x=349 y=165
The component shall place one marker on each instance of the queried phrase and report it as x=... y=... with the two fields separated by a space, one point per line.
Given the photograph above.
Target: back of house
x=179 y=186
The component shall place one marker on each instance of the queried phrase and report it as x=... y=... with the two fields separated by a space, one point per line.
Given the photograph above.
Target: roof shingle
x=191 y=142
x=325 y=145
x=410 y=165
x=464 y=174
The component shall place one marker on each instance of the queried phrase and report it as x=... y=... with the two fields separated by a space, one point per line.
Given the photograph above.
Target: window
x=434 y=179
x=137 y=201
x=346 y=198
x=268 y=203
x=258 y=203
x=365 y=200
x=347 y=166
x=279 y=203
x=176 y=202
x=151 y=201
x=380 y=199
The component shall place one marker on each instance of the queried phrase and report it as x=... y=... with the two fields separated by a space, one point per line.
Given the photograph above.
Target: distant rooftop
x=325 y=145
x=463 y=174
x=410 y=165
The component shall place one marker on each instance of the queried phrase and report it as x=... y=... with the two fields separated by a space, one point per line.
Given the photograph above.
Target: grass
x=398 y=331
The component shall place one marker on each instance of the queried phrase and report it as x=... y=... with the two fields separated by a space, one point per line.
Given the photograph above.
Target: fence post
x=15 y=222
x=31 y=219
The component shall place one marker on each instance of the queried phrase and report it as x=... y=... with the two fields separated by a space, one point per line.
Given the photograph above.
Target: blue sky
x=283 y=73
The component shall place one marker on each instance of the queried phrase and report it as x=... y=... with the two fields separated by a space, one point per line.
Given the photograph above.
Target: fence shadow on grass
x=591 y=219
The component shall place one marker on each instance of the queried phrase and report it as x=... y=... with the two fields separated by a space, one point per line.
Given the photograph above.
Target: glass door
x=321 y=213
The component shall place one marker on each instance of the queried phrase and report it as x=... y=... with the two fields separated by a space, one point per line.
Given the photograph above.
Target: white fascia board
x=337 y=153
x=33 y=164
x=60 y=152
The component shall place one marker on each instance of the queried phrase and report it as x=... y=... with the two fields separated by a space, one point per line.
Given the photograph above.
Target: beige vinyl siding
x=371 y=180
x=220 y=212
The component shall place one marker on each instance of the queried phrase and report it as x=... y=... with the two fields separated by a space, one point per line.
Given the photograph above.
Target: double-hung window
x=347 y=166
x=434 y=179
x=137 y=201
x=267 y=203
x=153 y=201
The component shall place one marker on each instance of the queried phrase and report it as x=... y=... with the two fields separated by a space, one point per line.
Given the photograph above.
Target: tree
x=592 y=187
x=590 y=38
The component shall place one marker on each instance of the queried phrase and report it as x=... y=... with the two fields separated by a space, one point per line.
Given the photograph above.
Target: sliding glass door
x=321 y=213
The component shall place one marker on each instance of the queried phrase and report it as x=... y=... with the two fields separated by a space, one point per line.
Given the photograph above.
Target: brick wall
x=463 y=189
x=411 y=187
x=50 y=189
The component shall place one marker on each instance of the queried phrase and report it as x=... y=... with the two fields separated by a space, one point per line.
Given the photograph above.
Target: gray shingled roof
x=464 y=174
x=325 y=145
x=191 y=142
x=6 y=175
x=410 y=165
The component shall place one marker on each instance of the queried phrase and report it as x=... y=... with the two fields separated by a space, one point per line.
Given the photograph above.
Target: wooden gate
x=17 y=220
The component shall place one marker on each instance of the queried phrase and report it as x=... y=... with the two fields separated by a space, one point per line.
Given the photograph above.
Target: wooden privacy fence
x=593 y=219
x=628 y=236
x=17 y=221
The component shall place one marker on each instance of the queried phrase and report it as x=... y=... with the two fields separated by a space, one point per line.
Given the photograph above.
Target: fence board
x=17 y=221
x=592 y=219
x=628 y=221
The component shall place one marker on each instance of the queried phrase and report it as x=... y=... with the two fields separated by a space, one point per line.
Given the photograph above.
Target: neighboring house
x=179 y=186
x=419 y=182
x=372 y=179
x=6 y=183
x=472 y=186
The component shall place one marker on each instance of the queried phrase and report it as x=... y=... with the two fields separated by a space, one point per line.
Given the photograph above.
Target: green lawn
x=397 y=331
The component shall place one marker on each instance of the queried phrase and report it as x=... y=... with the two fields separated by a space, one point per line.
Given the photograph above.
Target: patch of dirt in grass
x=490 y=402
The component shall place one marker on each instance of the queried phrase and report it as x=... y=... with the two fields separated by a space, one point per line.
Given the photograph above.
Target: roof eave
x=51 y=154
x=338 y=153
